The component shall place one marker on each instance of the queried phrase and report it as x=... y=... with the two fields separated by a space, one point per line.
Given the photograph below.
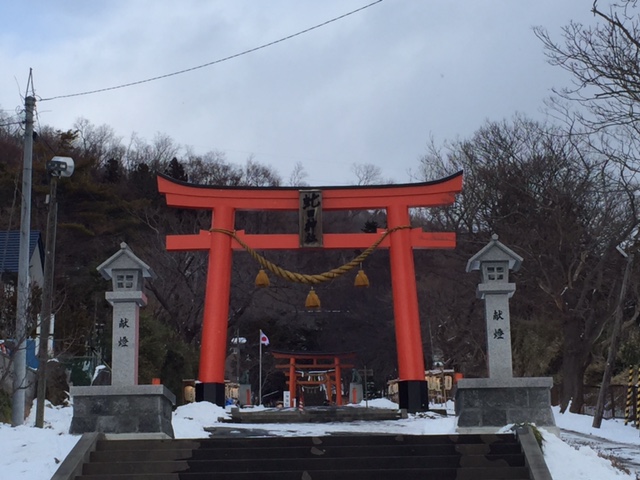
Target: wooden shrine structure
x=400 y=239
x=304 y=369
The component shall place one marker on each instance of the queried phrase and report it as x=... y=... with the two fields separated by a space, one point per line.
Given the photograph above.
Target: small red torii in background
x=395 y=199
x=328 y=365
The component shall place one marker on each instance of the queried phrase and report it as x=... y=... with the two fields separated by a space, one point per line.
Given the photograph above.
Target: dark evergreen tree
x=112 y=173
x=176 y=170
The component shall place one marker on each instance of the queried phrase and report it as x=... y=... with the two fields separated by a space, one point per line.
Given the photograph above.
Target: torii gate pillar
x=223 y=202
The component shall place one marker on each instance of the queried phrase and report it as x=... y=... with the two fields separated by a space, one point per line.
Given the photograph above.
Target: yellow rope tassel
x=312 y=299
x=361 y=279
x=262 y=279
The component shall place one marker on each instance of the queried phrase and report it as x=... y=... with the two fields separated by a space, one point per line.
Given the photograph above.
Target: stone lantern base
x=485 y=405
x=139 y=411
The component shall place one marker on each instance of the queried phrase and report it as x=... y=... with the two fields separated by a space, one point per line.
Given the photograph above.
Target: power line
x=236 y=55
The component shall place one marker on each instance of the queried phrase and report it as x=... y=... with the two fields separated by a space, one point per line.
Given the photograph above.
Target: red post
x=216 y=304
x=412 y=386
x=292 y=381
x=329 y=385
x=336 y=361
x=405 y=297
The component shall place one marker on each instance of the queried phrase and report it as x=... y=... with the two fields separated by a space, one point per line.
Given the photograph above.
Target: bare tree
x=212 y=168
x=603 y=60
x=258 y=175
x=156 y=155
x=298 y=175
x=99 y=142
x=564 y=208
x=368 y=174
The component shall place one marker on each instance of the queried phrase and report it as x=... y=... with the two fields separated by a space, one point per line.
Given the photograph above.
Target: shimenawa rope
x=302 y=277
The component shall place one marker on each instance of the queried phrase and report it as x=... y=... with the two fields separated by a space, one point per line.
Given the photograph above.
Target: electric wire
x=230 y=57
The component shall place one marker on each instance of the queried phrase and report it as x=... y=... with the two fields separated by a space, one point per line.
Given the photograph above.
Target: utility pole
x=613 y=348
x=47 y=295
x=22 y=308
x=238 y=356
x=57 y=167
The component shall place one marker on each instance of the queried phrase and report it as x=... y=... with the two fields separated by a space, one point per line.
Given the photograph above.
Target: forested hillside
x=550 y=198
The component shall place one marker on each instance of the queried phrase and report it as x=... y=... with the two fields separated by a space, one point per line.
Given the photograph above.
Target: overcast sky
x=372 y=87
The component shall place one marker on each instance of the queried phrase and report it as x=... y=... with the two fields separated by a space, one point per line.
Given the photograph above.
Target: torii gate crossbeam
x=224 y=202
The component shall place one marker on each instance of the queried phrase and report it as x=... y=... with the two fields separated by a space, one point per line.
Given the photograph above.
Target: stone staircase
x=335 y=457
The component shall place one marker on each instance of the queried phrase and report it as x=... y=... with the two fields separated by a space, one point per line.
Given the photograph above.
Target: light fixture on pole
x=60 y=167
x=238 y=341
x=57 y=167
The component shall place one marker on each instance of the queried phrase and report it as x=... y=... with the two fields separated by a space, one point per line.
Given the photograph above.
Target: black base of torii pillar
x=211 y=392
x=413 y=396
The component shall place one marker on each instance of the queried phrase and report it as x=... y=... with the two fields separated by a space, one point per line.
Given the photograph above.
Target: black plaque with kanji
x=310 y=218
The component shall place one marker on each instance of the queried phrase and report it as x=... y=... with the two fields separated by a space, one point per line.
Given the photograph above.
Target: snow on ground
x=566 y=462
x=189 y=418
x=31 y=453
x=614 y=430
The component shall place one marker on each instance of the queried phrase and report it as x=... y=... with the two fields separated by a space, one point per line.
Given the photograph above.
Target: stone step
x=294 y=451
x=333 y=457
x=313 y=415
x=318 y=463
x=330 y=440
x=496 y=473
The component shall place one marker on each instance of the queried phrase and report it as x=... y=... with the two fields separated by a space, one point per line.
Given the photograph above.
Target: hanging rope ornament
x=361 y=279
x=312 y=298
x=262 y=279
x=313 y=301
x=303 y=277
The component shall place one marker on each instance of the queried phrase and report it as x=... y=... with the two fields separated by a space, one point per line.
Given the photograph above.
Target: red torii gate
x=395 y=199
x=307 y=362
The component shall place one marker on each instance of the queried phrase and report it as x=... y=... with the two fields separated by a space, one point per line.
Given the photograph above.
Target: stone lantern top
x=125 y=269
x=495 y=252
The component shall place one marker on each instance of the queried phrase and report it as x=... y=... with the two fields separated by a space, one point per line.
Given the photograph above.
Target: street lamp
x=238 y=341
x=57 y=167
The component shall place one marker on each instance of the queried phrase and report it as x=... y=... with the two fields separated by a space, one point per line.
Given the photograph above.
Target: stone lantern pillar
x=494 y=262
x=484 y=405
x=126 y=272
x=124 y=407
